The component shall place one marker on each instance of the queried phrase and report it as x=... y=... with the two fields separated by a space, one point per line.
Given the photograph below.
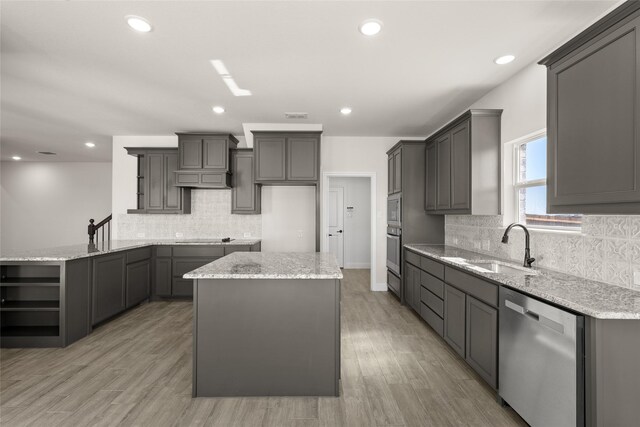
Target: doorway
x=348 y=221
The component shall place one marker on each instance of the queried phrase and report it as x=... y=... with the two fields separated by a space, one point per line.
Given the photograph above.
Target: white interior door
x=336 y=224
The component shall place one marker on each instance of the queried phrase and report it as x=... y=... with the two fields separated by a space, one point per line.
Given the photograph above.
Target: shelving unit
x=30 y=297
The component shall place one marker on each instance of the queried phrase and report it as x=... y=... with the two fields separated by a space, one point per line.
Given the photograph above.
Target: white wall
x=46 y=204
x=364 y=154
x=357 y=221
x=288 y=219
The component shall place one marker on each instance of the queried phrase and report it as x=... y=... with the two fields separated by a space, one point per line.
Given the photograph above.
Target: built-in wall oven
x=393 y=210
x=394 y=249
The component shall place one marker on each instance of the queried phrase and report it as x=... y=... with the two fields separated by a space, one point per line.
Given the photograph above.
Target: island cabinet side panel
x=266 y=337
x=77 y=300
x=612 y=377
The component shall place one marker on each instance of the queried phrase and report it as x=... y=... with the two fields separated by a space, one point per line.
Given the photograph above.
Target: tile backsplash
x=210 y=218
x=607 y=249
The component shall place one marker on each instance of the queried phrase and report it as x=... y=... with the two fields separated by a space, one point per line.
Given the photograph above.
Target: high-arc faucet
x=527 y=251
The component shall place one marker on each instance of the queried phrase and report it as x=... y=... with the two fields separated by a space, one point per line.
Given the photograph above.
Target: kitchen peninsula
x=267 y=324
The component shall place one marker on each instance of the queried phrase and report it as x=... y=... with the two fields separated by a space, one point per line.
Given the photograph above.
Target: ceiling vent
x=47 y=153
x=296 y=115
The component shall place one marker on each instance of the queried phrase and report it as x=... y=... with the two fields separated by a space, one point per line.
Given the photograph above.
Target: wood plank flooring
x=136 y=371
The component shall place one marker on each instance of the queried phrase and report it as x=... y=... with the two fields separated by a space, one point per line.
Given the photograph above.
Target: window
x=531 y=187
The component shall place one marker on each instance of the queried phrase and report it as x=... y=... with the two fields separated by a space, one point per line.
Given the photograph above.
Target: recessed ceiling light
x=502 y=60
x=345 y=110
x=17 y=158
x=218 y=109
x=370 y=27
x=138 y=23
x=90 y=144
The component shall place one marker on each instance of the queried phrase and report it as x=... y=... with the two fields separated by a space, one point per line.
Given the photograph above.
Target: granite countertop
x=595 y=299
x=70 y=252
x=270 y=265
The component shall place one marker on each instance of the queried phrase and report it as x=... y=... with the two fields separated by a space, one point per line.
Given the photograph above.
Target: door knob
x=330 y=235
x=339 y=231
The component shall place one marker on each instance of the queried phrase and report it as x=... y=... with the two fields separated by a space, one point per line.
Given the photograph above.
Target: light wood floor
x=136 y=370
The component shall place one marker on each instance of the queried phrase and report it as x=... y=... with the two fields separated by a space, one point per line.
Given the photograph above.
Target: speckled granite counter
x=67 y=253
x=274 y=265
x=595 y=299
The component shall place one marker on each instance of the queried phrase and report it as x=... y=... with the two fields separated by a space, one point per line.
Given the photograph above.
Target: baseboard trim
x=378 y=287
x=357 y=265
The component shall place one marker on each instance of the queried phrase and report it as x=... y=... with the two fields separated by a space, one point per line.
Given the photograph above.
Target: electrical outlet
x=299 y=234
x=140 y=235
x=247 y=234
x=179 y=235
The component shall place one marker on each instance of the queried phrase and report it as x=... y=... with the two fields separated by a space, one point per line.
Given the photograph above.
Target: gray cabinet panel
x=171 y=192
x=182 y=266
x=162 y=277
x=155 y=181
x=302 y=158
x=594 y=126
x=431 y=176
x=245 y=193
x=432 y=301
x=475 y=286
x=432 y=319
x=397 y=171
x=215 y=153
x=270 y=158
x=482 y=340
x=390 y=175
x=204 y=251
x=454 y=319
x=190 y=149
x=433 y=284
x=407 y=276
x=135 y=255
x=432 y=267
x=461 y=167
x=138 y=281
x=182 y=287
x=443 y=154
x=108 y=286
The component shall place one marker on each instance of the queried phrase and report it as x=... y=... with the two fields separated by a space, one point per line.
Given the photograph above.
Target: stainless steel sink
x=500 y=267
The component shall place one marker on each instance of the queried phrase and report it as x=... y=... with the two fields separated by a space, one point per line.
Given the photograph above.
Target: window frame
x=519 y=185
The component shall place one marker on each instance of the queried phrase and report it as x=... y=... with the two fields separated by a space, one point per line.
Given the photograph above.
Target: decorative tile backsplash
x=210 y=218
x=607 y=249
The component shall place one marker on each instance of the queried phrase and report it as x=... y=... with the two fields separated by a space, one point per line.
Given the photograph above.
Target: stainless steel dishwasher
x=541 y=367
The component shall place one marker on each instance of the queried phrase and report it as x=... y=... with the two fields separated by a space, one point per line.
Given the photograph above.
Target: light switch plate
x=247 y=234
x=179 y=235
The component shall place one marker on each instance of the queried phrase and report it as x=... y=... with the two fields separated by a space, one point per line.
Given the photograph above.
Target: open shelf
x=32 y=281
x=30 y=306
x=29 y=331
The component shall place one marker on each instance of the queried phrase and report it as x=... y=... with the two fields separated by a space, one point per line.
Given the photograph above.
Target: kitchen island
x=267 y=324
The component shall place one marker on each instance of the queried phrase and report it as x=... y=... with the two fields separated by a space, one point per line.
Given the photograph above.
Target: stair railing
x=94 y=230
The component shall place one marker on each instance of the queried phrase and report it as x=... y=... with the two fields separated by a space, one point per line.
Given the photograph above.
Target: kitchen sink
x=502 y=268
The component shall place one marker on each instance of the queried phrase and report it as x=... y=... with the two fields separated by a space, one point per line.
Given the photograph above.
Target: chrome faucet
x=527 y=251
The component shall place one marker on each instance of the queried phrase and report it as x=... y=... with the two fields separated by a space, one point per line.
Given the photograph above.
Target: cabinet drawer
x=482 y=290
x=163 y=251
x=412 y=258
x=394 y=282
x=432 y=267
x=136 y=255
x=214 y=178
x=231 y=249
x=183 y=266
x=183 y=178
x=432 y=301
x=432 y=319
x=198 y=251
x=433 y=284
x=182 y=287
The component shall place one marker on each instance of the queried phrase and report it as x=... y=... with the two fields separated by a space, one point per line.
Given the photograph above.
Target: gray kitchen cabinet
x=463 y=166
x=460 y=167
x=412 y=286
x=455 y=319
x=204 y=160
x=162 y=277
x=593 y=110
x=109 y=284
x=245 y=193
x=302 y=158
x=397 y=170
x=431 y=176
x=390 y=188
x=482 y=340
x=138 y=280
x=156 y=182
x=286 y=157
x=443 y=184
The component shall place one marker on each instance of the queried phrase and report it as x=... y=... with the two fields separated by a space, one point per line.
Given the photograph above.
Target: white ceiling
x=74 y=72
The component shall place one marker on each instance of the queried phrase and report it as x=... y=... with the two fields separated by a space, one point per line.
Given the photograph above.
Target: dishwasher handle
x=542 y=320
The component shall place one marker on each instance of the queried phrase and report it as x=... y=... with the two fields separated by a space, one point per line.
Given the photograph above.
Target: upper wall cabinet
x=245 y=193
x=462 y=166
x=286 y=157
x=593 y=107
x=394 y=171
x=204 y=160
x=156 y=187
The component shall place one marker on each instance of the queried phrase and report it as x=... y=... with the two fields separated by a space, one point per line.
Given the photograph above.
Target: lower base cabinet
x=455 y=319
x=412 y=287
x=109 y=284
x=138 y=282
x=482 y=340
x=162 y=277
